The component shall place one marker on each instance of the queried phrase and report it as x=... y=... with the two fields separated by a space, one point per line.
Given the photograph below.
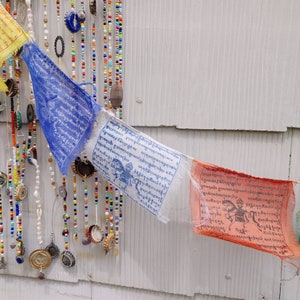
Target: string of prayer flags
x=12 y=37
x=250 y=211
x=143 y=169
x=66 y=111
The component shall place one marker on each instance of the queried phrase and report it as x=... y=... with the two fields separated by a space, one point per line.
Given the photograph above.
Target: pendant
x=116 y=95
x=53 y=250
x=3 y=179
x=109 y=242
x=30 y=113
x=2 y=263
x=68 y=259
x=20 y=192
x=83 y=168
x=86 y=241
x=96 y=234
x=62 y=191
x=12 y=87
x=93 y=7
x=40 y=259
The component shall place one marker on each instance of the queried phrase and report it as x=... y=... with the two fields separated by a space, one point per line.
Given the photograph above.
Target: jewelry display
x=96 y=222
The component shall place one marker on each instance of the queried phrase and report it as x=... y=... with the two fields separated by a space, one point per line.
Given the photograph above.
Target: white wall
x=190 y=67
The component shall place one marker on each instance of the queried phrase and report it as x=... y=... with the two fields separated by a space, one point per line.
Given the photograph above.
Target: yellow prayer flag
x=12 y=37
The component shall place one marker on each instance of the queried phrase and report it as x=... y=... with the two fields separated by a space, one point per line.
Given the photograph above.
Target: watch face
x=96 y=233
x=67 y=259
x=40 y=259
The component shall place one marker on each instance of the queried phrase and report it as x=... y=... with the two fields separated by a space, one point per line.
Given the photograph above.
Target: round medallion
x=30 y=113
x=96 y=233
x=40 y=259
x=67 y=259
x=12 y=87
x=3 y=179
x=72 y=21
x=53 y=250
x=109 y=242
x=62 y=191
x=20 y=192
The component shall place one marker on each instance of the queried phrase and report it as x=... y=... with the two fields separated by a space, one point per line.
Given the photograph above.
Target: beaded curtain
x=84 y=56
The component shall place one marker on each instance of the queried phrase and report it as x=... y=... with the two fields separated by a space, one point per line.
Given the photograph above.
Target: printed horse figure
x=237 y=214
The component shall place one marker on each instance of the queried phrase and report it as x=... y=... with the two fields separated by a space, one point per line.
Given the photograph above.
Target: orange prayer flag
x=250 y=211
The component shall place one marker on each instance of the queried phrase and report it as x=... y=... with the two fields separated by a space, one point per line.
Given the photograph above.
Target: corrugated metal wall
x=190 y=67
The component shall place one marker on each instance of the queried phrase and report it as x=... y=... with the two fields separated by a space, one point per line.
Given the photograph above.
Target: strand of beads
x=106 y=208
x=2 y=261
x=96 y=195
x=58 y=11
x=105 y=56
x=31 y=157
x=94 y=69
x=11 y=202
x=46 y=31
x=66 y=216
x=75 y=212
x=87 y=239
x=110 y=45
x=82 y=33
x=67 y=258
x=117 y=220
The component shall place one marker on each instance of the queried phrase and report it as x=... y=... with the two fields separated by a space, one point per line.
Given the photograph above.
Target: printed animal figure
x=236 y=214
x=123 y=174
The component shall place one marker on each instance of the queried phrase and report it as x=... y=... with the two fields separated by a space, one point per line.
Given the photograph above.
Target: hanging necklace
x=95 y=231
x=82 y=34
x=52 y=248
x=46 y=31
x=75 y=211
x=87 y=239
x=39 y=259
x=67 y=258
x=94 y=69
x=3 y=180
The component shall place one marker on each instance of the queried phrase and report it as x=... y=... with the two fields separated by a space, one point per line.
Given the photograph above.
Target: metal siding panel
x=212 y=64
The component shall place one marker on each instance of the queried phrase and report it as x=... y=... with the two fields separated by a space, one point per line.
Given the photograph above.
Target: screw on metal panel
x=228 y=276
x=262 y=297
x=139 y=100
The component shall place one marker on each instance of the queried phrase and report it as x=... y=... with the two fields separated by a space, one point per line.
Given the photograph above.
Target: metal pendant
x=40 y=259
x=68 y=259
x=53 y=250
x=96 y=234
